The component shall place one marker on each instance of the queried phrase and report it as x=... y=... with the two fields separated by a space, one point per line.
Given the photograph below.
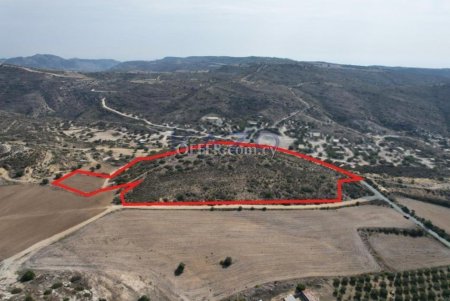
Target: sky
x=413 y=33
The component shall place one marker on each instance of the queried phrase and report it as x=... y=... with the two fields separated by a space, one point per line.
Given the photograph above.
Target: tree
x=336 y=282
x=27 y=276
x=18 y=174
x=180 y=269
x=98 y=166
x=57 y=285
x=383 y=292
x=44 y=181
x=226 y=262
x=300 y=287
x=374 y=294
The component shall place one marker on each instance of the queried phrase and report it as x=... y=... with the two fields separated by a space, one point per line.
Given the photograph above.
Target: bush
x=44 y=182
x=226 y=262
x=144 y=298
x=47 y=292
x=336 y=282
x=180 y=269
x=16 y=290
x=27 y=276
x=300 y=287
x=57 y=285
x=75 y=278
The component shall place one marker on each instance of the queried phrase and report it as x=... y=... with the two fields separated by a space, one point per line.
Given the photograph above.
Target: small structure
x=213 y=120
x=316 y=135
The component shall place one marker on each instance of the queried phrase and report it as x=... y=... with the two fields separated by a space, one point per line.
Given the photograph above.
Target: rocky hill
x=53 y=62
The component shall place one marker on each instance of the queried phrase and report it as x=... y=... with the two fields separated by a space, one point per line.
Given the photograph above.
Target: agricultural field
x=264 y=246
x=438 y=214
x=400 y=252
x=411 y=285
x=30 y=213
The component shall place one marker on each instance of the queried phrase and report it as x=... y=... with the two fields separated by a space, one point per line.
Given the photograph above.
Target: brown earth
x=142 y=248
x=30 y=213
x=405 y=253
x=439 y=215
x=84 y=183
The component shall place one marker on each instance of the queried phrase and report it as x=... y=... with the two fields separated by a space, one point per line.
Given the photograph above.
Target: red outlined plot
x=127 y=187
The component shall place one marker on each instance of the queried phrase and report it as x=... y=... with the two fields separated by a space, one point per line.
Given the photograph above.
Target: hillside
x=370 y=119
x=53 y=62
x=363 y=98
x=193 y=63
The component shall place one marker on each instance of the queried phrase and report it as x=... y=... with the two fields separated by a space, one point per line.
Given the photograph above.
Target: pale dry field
x=84 y=183
x=439 y=215
x=30 y=213
x=405 y=253
x=141 y=248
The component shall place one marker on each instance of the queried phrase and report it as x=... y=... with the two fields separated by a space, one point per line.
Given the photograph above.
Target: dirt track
x=30 y=213
x=142 y=246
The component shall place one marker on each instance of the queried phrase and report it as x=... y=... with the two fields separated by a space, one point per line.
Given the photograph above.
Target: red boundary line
x=350 y=177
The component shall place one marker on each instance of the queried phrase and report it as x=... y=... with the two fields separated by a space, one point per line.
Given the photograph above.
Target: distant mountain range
x=194 y=63
x=180 y=64
x=53 y=62
x=168 y=64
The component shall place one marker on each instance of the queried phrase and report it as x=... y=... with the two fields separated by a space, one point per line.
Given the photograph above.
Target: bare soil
x=405 y=253
x=84 y=183
x=30 y=213
x=142 y=248
x=439 y=215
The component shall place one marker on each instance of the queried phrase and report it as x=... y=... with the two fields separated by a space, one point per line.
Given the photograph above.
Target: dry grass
x=439 y=215
x=84 y=183
x=405 y=253
x=140 y=247
x=30 y=213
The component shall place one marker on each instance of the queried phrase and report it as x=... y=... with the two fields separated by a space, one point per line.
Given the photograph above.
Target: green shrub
x=144 y=298
x=47 y=292
x=75 y=278
x=180 y=269
x=300 y=287
x=16 y=290
x=27 y=276
x=336 y=282
x=226 y=262
x=57 y=285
